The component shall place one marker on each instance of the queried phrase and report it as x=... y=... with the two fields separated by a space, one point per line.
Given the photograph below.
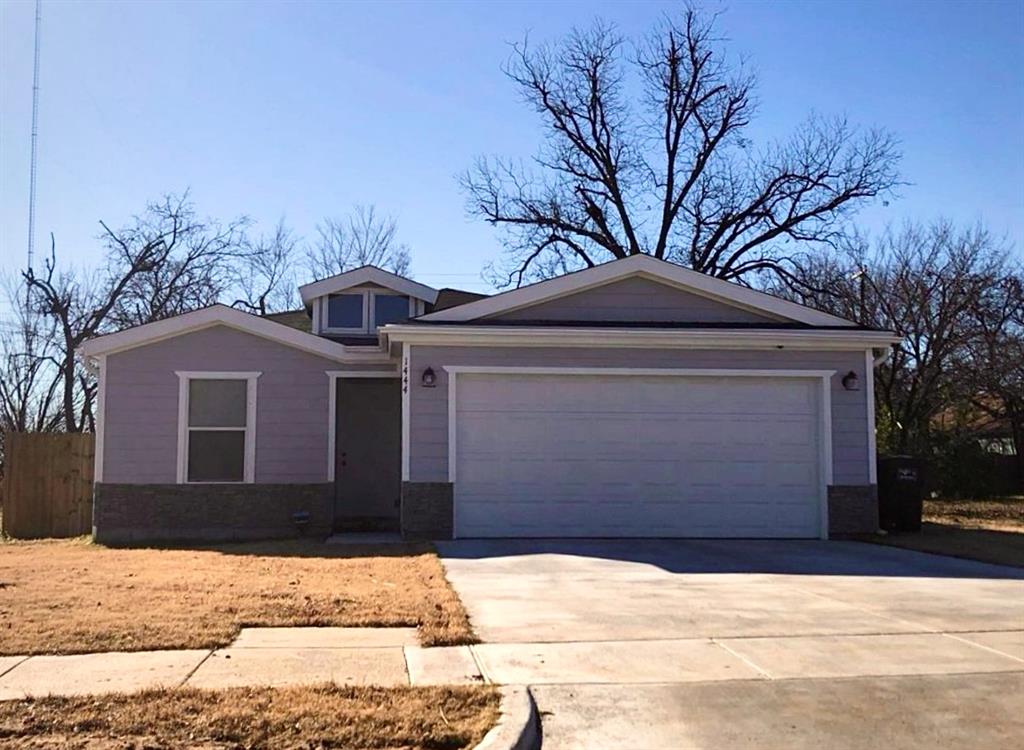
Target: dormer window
x=390 y=308
x=346 y=311
x=362 y=311
x=358 y=302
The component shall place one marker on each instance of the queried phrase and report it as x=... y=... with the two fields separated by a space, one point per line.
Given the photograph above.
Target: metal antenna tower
x=35 y=138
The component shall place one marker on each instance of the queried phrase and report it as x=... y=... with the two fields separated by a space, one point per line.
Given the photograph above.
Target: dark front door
x=367 y=469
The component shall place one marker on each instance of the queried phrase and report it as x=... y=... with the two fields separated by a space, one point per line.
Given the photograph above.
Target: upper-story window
x=346 y=311
x=363 y=311
x=390 y=308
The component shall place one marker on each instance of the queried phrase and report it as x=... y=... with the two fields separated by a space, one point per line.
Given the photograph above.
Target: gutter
x=524 y=336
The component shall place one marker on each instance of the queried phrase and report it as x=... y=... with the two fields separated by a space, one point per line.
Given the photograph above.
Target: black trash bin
x=901 y=488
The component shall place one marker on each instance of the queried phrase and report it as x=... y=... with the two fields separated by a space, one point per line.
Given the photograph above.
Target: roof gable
x=366 y=275
x=206 y=317
x=645 y=267
x=636 y=299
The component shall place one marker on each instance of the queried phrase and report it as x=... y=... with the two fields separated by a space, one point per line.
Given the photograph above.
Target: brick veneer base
x=852 y=509
x=126 y=513
x=427 y=510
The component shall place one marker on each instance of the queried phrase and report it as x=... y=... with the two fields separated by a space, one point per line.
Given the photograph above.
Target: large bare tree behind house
x=264 y=277
x=645 y=151
x=992 y=367
x=936 y=284
x=29 y=382
x=364 y=237
x=164 y=262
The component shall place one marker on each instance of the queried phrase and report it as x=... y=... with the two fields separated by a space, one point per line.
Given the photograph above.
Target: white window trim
x=322 y=310
x=332 y=406
x=825 y=425
x=184 y=376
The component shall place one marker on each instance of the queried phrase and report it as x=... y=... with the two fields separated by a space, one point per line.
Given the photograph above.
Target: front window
x=218 y=430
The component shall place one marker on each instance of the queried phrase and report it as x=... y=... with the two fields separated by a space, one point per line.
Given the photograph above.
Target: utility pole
x=862 y=277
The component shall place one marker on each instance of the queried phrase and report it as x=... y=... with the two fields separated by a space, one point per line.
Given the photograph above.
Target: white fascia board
x=726 y=292
x=365 y=275
x=215 y=315
x=707 y=372
x=637 y=338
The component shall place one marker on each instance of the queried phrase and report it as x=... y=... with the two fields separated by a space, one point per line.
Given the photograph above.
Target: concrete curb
x=518 y=726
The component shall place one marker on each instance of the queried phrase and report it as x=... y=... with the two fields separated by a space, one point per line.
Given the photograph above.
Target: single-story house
x=632 y=399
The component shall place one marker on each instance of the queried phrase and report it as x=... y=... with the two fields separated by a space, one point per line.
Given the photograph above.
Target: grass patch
x=990 y=530
x=294 y=717
x=999 y=513
x=71 y=596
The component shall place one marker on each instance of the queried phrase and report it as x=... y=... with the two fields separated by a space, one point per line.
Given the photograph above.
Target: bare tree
x=362 y=238
x=667 y=171
x=29 y=381
x=264 y=277
x=165 y=262
x=187 y=262
x=991 y=371
x=925 y=282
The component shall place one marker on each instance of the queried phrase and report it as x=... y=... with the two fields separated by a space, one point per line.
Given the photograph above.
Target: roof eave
x=220 y=315
x=467 y=335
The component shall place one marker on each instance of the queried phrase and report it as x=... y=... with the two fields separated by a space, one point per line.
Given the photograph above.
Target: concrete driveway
x=752 y=644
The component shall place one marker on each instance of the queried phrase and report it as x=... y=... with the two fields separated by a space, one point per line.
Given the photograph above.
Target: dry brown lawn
x=72 y=596
x=999 y=513
x=989 y=530
x=299 y=717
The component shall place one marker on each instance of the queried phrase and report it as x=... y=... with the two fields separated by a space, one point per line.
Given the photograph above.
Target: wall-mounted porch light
x=429 y=378
x=851 y=382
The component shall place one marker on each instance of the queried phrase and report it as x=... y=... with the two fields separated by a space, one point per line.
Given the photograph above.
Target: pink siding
x=141 y=421
x=636 y=299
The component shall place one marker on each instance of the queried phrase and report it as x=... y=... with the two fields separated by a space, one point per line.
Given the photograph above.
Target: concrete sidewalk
x=260 y=656
x=390 y=656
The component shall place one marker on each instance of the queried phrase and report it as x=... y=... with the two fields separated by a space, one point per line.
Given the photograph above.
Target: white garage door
x=637 y=456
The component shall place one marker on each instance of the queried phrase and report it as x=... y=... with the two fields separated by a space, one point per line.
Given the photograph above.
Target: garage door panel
x=551 y=455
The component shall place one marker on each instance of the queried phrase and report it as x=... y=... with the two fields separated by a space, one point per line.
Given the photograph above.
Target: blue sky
x=303 y=109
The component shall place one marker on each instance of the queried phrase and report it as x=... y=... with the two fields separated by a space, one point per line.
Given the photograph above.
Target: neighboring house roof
x=453 y=298
x=970 y=417
x=208 y=317
x=643 y=266
x=297 y=319
x=366 y=275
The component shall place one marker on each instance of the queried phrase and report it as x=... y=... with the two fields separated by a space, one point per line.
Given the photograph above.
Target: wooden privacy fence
x=47 y=484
